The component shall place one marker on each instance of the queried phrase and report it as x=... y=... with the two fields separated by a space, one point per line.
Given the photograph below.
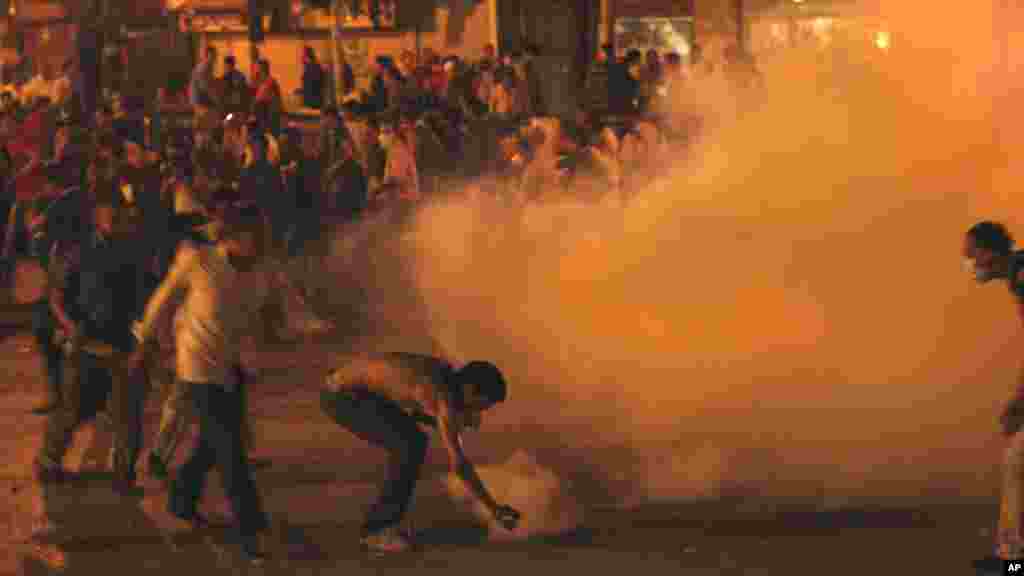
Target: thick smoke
x=782 y=315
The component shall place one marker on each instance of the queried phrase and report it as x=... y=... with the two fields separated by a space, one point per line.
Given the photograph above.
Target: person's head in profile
x=478 y=386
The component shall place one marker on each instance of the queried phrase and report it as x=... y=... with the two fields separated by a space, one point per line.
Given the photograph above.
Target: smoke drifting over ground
x=784 y=315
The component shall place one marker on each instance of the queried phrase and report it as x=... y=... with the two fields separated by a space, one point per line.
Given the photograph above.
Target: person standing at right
x=989 y=255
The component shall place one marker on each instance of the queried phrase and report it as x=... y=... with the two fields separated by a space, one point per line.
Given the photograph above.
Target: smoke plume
x=782 y=314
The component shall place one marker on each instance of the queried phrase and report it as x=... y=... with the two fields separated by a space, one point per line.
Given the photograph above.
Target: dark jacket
x=262 y=182
x=313 y=85
x=103 y=282
x=347 y=191
x=235 y=94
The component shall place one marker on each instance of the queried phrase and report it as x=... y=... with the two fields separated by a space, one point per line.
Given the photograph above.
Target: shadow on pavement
x=90 y=526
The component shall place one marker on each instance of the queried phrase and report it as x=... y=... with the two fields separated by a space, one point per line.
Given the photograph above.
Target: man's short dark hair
x=992 y=236
x=485 y=378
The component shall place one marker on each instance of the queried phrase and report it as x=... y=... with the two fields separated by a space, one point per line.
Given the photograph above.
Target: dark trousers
x=381 y=422
x=219 y=444
x=44 y=328
x=85 y=390
x=127 y=406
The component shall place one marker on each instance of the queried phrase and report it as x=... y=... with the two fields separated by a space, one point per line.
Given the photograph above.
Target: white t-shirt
x=218 y=306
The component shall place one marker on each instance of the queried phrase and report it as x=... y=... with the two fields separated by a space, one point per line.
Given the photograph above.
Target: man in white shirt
x=401 y=178
x=219 y=292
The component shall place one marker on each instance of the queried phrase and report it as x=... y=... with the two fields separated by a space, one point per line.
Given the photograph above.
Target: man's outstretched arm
x=451 y=433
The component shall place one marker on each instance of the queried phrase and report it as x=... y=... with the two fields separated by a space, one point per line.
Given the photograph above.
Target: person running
x=989 y=255
x=175 y=413
x=219 y=299
x=384 y=398
x=93 y=293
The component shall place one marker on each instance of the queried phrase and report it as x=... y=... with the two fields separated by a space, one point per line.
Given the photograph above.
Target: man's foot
x=157 y=468
x=389 y=540
x=45 y=407
x=50 y=474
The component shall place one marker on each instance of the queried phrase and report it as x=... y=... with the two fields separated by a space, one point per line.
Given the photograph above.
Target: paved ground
x=321 y=480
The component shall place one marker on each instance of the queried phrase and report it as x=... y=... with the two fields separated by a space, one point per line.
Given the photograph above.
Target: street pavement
x=321 y=480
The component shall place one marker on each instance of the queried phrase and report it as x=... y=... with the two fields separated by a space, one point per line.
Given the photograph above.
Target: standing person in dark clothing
x=217 y=305
x=312 y=80
x=332 y=131
x=624 y=84
x=261 y=182
x=309 y=183
x=532 y=79
x=235 y=94
x=376 y=154
x=380 y=96
x=56 y=228
x=140 y=186
x=385 y=398
x=347 y=190
x=93 y=296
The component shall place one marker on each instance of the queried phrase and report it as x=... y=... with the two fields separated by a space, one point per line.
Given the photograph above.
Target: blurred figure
x=624 y=85
x=535 y=105
x=543 y=177
x=989 y=255
x=313 y=77
x=346 y=187
x=261 y=184
x=201 y=83
x=267 y=106
x=401 y=183
x=234 y=87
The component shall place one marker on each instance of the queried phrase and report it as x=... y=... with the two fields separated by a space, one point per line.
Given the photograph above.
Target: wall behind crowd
x=463 y=33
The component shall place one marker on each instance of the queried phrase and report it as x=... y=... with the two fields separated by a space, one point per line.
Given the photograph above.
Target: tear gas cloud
x=783 y=315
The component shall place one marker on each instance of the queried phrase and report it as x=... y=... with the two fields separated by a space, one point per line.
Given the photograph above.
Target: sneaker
x=388 y=540
x=157 y=468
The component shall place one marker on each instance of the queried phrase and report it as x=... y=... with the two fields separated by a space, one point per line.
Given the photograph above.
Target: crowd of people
x=144 y=206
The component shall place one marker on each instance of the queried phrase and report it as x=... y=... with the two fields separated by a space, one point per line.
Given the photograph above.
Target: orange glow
x=783 y=311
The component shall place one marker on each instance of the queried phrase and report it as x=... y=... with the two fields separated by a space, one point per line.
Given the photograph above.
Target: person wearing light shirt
x=401 y=178
x=218 y=292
